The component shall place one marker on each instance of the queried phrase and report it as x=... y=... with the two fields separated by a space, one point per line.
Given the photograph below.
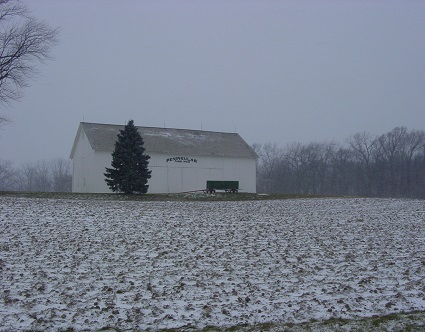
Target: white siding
x=82 y=161
x=193 y=172
x=89 y=168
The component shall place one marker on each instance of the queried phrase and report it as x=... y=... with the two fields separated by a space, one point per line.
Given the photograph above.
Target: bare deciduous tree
x=414 y=144
x=270 y=154
x=7 y=175
x=61 y=174
x=24 y=42
x=391 y=152
x=363 y=145
x=34 y=176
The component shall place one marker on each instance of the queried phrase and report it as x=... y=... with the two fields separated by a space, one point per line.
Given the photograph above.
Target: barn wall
x=186 y=173
x=89 y=168
x=83 y=165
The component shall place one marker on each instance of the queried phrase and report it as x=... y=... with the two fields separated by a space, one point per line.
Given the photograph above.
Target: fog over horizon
x=272 y=71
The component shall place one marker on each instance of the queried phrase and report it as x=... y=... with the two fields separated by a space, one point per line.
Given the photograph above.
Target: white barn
x=181 y=160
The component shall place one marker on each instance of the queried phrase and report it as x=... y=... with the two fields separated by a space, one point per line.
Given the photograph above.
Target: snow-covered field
x=88 y=264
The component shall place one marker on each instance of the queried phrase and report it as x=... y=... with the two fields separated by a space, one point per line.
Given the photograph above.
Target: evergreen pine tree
x=129 y=173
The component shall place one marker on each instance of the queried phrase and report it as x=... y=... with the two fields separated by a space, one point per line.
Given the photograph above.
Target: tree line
x=40 y=176
x=387 y=165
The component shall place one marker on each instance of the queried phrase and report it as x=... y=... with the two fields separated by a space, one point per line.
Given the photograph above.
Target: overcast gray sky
x=273 y=71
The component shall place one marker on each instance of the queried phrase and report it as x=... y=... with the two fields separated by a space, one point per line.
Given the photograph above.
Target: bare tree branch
x=24 y=42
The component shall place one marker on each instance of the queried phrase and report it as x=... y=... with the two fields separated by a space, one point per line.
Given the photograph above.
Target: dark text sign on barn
x=186 y=160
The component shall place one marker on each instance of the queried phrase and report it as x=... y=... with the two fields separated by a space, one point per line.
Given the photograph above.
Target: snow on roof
x=102 y=137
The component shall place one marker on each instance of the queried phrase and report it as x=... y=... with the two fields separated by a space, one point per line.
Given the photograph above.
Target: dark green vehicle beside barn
x=227 y=186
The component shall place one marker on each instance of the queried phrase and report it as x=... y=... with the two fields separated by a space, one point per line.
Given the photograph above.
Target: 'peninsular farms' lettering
x=186 y=160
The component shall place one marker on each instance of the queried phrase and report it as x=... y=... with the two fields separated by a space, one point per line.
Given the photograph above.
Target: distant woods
x=389 y=165
x=40 y=176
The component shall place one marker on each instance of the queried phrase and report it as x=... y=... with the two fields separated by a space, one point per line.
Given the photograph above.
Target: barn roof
x=102 y=137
